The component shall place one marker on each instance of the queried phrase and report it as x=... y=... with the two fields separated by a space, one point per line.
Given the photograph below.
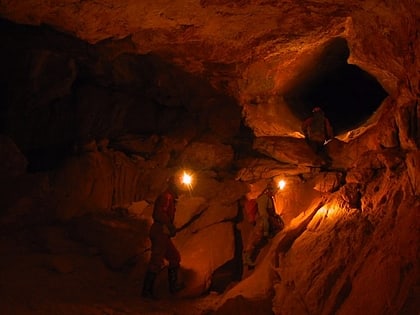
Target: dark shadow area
x=241 y=305
x=347 y=94
x=231 y=271
x=243 y=141
x=47 y=158
x=57 y=90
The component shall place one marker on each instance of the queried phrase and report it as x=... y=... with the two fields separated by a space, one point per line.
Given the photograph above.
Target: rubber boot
x=149 y=282
x=174 y=286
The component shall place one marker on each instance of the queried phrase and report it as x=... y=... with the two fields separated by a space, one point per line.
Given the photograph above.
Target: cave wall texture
x=102 y=100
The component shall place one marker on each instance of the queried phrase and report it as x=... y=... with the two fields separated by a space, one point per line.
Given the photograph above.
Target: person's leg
x=312 y=144
x=159 y=241
x=148 y=284
x=320 y=150
x=158 y=252
x=323 y=153
x=251 y=250
x=276 y=224
x=174 y=259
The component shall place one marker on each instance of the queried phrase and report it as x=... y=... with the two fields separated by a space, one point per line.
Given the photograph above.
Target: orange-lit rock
x=203 y=253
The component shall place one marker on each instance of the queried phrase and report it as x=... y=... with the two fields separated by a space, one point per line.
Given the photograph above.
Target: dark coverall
x=317 y=129
x=161 y=232
x=163 y=248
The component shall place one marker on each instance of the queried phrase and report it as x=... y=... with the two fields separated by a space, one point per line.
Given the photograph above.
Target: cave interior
x=90 y=133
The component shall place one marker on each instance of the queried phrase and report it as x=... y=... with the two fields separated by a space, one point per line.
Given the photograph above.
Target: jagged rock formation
x=101 y=101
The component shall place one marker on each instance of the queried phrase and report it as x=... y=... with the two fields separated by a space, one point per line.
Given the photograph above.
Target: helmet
x=172 y=182
x=270 y=186
x=171 y=179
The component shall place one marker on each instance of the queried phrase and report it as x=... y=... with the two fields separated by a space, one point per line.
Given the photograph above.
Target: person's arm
x=273 y=198
x=305 y=126
x=328 y=127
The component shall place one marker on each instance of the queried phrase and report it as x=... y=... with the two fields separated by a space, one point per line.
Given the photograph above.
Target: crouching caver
x=161 y=232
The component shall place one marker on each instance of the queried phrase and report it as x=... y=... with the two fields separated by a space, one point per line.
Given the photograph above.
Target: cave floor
x=33 y=281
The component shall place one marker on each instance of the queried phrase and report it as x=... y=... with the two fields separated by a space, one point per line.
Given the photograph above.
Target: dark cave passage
x=75 y=93
x=347 y=94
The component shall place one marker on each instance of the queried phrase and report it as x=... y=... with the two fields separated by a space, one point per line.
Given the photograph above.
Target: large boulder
x=202 y=155
x=120 y=241
x=187 y=208
x=202 y=254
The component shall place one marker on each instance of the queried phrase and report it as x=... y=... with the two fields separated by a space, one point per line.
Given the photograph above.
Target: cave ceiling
x=278 y=59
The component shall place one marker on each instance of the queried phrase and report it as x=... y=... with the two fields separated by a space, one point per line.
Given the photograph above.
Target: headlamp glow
x=281 y=184
x=186 y=179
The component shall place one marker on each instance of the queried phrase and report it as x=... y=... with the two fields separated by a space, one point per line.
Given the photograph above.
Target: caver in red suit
x=161 y=232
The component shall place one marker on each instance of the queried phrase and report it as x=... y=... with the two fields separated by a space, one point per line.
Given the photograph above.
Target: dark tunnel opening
x=347 y=94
